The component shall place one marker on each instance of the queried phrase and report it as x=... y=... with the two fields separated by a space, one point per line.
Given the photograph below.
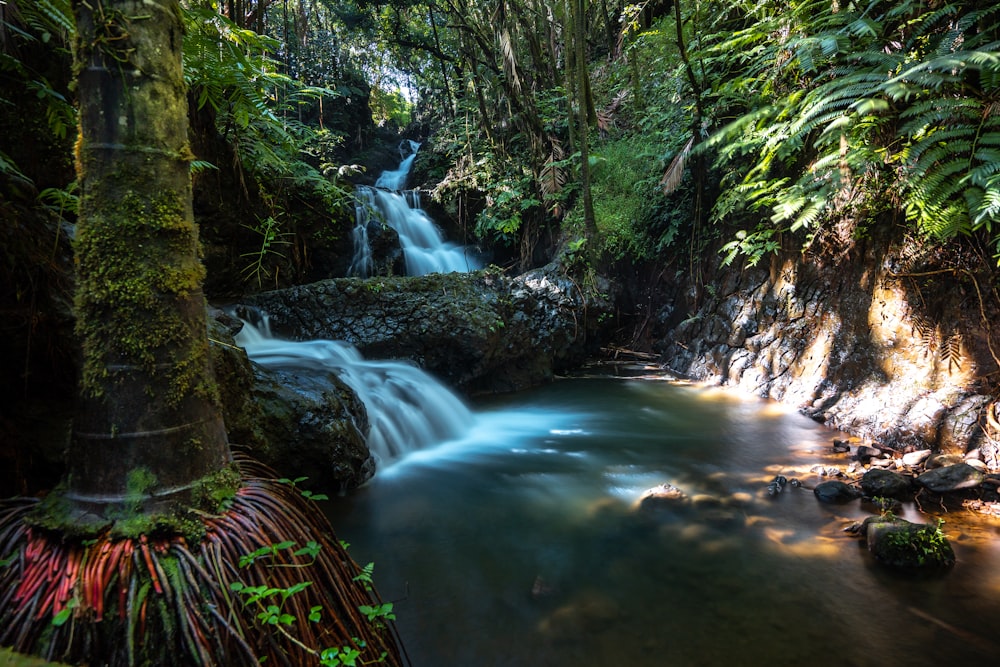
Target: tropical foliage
x=839 y=108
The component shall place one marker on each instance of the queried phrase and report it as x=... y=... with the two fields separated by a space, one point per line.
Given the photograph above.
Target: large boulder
x=479 y=332
x=301 y=426
x=951 y=478
x=879 y=483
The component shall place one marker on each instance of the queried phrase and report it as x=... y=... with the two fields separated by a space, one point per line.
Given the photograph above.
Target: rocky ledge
x=479 y=332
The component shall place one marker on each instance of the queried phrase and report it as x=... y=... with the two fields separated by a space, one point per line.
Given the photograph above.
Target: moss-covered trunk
x=148 y=426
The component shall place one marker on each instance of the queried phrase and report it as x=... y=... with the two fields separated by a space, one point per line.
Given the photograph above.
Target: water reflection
x=520 y=544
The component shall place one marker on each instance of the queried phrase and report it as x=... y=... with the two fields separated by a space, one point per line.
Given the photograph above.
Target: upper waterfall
x=424 y=248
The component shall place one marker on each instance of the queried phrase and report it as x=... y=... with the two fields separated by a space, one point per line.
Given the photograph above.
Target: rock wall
x=888 y=342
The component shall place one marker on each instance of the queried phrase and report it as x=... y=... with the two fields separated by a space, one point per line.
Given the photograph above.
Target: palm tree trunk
x=148 y=426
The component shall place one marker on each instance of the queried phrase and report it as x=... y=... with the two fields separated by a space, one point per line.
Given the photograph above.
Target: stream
x=519 y=542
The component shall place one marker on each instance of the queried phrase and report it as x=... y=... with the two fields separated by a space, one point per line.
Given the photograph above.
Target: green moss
x=209 y=495
x=139 y=263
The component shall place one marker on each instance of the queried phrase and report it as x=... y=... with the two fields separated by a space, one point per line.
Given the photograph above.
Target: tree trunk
x=585 y=111
x=148 y=426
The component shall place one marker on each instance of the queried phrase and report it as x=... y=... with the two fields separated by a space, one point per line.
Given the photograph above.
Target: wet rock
x=661 y=496
x=886 y=484
x=479 y=332
x=951 y=478
x=777 y=485
x=902 y=545
x=866 y=452
x=300 y=427
x=836 y=492
x=841 y=446
x=313 y=427
x=826 y=471
x=942 y=460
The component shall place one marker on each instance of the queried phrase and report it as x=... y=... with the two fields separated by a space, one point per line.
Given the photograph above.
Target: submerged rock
x=836 y=492
x=661 y=496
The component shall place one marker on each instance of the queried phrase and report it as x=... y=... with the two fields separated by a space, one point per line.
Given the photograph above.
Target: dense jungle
x=281 y=276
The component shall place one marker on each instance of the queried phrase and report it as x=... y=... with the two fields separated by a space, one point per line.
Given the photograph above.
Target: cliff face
x=889 y=341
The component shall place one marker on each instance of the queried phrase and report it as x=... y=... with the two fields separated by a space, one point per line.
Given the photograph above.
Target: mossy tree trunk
x=148 y=427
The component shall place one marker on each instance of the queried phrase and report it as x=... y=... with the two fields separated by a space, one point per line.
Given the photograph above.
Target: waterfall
x=424 y=249
x=362 y=262
x=407 y=408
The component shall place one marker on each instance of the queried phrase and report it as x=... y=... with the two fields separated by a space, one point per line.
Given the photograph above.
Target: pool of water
x=521 y=543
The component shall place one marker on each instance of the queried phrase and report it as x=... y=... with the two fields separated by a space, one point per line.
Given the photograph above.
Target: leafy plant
x=927 y=544
x=845 y=103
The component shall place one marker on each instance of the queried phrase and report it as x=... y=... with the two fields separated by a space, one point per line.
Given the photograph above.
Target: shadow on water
x=519 y=543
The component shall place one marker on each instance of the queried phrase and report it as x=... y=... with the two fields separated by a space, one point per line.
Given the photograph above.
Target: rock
x=836 y=492
x=942 y=461
x=866 y=452
x=902 y=545
x=916 y=458
x=951 y=478
x=841 y=446
x=886 y=484
x=661 y=496
x=313 y=427
x=977 y=464
x=826 y=471
x=298 y=426
x=776 y=486
x=479 y=332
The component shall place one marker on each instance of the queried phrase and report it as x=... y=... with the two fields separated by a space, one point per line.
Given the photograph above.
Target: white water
x=407 y=408
x=424 y=248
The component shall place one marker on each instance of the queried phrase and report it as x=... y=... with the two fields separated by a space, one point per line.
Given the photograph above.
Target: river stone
x=661 y=496
x=887 y=484
x=907 y=546
x=867 y=452
x=916 y=458
x=836 y=492
x=942 y=460
x=951 y=478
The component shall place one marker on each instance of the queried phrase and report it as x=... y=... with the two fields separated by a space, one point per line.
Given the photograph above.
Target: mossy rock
x=907 y=546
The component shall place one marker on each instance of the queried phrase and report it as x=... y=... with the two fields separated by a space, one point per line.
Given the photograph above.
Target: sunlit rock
x=916 y=458
x=951 y=478
x=661 y=497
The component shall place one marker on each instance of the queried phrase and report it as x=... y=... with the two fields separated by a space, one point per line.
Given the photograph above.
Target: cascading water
x=424 y=249
x=407 y=408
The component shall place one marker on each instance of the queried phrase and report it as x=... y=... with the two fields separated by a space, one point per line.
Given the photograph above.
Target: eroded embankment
x=890 y=342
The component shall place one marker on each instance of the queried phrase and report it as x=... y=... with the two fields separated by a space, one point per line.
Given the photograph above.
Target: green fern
x=893 y=93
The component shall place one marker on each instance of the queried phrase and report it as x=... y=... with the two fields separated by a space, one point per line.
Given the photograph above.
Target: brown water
x=520 y=544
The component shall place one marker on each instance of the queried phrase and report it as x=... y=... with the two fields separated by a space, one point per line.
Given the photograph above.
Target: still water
x=520 y=544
